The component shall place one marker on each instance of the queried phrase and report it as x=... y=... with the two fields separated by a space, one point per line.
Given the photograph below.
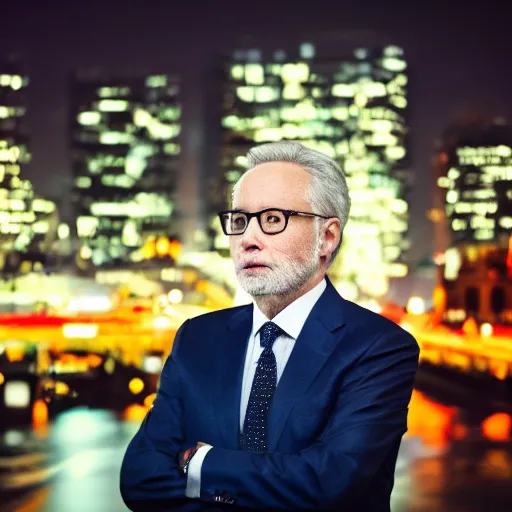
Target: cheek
x=296 y=246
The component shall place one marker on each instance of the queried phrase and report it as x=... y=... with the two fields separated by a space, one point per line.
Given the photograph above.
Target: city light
x=486 y=330
x=16 y=394
x=80 y=330
x=136 y=386
x=416 y=306
x=162 y=322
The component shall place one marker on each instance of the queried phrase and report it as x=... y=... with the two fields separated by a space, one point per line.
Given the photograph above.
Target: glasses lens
x=273 y=221
x=235 y=222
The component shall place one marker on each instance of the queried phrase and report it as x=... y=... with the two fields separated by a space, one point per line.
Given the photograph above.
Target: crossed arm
x=367 y=424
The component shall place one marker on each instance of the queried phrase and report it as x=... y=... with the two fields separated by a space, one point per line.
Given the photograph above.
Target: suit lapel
x=312 y=349
x=232 y=344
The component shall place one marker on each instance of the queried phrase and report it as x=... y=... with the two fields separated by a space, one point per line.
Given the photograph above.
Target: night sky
x=460 y=58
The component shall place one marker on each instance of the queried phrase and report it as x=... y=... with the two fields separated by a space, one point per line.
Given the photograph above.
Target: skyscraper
x=348 y=100
x=125 y=149
x=474 y=179
x=26 y=221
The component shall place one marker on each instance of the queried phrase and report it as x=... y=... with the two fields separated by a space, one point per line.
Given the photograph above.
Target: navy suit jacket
x=335 y=422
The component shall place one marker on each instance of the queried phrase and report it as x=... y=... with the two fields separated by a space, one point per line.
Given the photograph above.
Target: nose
x=252 y=238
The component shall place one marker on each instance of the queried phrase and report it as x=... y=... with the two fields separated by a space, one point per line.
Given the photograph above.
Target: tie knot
x=269 y=332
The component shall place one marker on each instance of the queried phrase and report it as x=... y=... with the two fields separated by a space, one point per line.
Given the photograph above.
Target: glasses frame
x=287 y=214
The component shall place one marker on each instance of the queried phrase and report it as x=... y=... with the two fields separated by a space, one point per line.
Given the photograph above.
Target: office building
x=125 y=148
x=474 y=179
x=27 y=222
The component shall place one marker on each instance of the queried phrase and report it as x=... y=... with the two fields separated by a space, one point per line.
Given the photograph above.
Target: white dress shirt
x=291 y=320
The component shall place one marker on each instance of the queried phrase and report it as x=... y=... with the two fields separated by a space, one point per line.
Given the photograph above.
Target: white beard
x=284 y=277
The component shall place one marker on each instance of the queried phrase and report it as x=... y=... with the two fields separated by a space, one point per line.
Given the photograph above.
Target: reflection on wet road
x=73 y=465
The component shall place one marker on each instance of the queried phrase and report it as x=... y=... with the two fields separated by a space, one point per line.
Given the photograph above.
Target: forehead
x=280 y=184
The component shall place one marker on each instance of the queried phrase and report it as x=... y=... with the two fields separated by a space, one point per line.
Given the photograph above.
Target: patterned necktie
x=254 y=436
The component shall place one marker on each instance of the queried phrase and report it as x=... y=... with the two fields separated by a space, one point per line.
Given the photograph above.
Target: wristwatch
x=185 y=458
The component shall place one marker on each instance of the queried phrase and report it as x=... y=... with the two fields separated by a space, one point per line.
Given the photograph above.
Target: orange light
x=148 y=401
x=39 y=413
x=94 y=361
x=174 y=250
x=135 y=412
x=497 y=427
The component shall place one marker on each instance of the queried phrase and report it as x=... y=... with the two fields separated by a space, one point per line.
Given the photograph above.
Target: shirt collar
x=292 y=318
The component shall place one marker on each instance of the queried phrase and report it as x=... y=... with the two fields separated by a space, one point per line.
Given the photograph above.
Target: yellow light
x=162 y=246
x=486 y=330
x=416 y=306
x=61 y=388
x=2 y=378
x=136 y=386
x=85 y=252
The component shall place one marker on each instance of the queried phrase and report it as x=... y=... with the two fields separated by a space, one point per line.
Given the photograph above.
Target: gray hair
x=328 y=193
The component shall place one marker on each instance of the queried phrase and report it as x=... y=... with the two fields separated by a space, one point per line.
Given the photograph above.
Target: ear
x=331 y=232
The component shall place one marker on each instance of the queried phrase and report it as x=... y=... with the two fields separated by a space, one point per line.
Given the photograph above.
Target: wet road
x=73 y=466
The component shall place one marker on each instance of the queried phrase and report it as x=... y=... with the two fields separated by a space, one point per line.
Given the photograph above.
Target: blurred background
x=123 y=127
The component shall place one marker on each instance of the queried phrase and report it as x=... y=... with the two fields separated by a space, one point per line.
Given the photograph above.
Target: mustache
x=241 y=265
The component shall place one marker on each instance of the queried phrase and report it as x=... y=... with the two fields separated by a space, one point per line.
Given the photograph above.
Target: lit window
x=293 y=91
x=171 y=148
x=89 y=118
x=113 y=105
x=156 y=81
x=237 y=72
x=398 y=101
x=444 y=182
x=374 y=89
x=114 y=138
x=268 y=135
x=254 y=74
x=393 y=64
x=292 y=73
x=395 y=152
x=83 y=181
x=343 y=90
x=16 y=82
x=245 y=93
x=266 y=94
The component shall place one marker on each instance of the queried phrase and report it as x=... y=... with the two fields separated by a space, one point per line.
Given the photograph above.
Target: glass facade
x=27 y=222
x=475 y=181
x=125 y=152
x=354 y=110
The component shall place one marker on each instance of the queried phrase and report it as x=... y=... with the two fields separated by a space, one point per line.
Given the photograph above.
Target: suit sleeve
x=150 y=475
x=367 y=424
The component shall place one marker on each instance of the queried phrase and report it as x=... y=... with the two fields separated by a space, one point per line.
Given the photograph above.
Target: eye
x=238 y=220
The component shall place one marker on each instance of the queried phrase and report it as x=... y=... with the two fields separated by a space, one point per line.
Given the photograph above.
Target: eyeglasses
x=271 y=220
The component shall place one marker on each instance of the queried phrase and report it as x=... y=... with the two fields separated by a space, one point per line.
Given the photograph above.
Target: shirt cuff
x=194 y=472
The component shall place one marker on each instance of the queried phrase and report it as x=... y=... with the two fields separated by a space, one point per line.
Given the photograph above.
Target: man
x=297 y=402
